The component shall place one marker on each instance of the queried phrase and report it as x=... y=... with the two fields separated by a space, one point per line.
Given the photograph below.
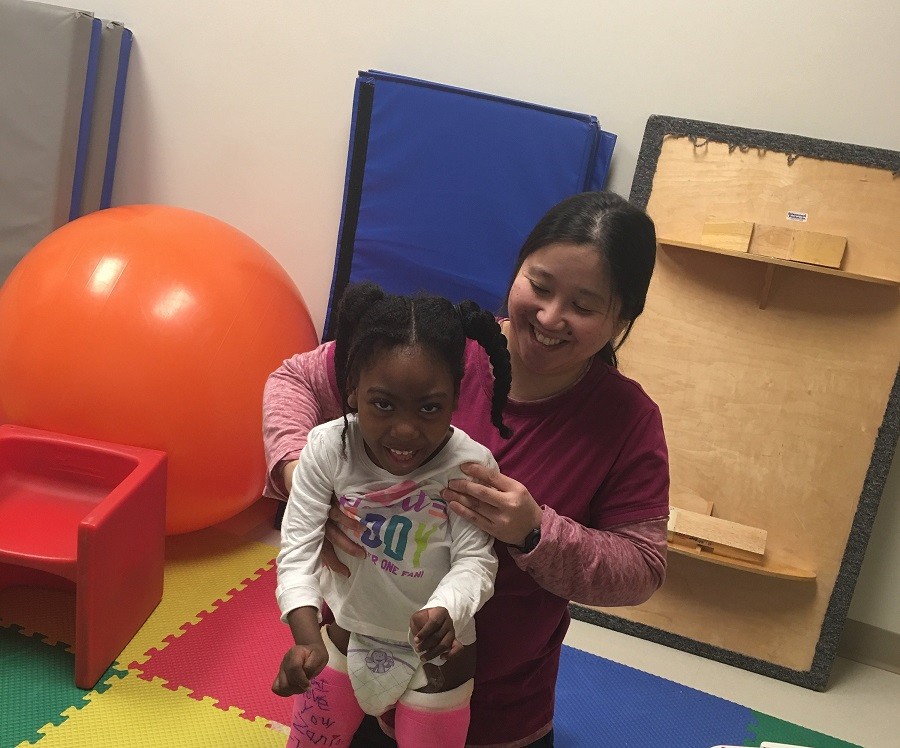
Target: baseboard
x=870 y=645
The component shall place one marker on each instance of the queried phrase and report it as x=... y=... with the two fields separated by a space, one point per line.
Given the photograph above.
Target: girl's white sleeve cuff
x=300 y=594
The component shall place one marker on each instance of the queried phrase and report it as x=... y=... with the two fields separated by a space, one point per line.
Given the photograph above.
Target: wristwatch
x=530 y=542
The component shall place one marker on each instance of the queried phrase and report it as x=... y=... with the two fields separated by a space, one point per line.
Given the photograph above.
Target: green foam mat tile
x=773 y=730
x=37 y=685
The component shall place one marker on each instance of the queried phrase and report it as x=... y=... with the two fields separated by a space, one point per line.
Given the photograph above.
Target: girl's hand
x=433 y=635
x=299 y=666
x=493 y=502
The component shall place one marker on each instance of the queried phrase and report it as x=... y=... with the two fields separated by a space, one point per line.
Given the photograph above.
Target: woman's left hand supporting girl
x=495 y=503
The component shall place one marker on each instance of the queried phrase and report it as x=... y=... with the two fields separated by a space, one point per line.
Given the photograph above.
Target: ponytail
x=482 y=327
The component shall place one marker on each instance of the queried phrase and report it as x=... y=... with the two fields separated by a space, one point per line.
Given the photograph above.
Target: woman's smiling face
x=561 y=310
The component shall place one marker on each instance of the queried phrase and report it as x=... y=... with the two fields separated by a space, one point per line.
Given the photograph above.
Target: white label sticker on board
x=793 y=215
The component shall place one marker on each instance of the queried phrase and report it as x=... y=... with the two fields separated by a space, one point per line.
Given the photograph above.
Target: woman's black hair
x=370 y=321
x=622 y=233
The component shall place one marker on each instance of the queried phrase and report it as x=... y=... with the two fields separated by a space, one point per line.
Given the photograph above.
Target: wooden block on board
x=733 y=236
x=718 y=535
x=772 y=241
x=680 y=543
x=811 y=247
x=818 y=249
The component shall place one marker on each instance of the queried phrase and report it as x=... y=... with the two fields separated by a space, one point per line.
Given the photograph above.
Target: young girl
x=404 y=631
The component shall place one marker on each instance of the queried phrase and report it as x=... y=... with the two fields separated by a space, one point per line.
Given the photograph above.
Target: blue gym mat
x=443 y=184
x=603 y=703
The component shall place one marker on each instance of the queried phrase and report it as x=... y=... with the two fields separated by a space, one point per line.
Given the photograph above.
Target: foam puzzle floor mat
x=199 y=672
x=134 y=705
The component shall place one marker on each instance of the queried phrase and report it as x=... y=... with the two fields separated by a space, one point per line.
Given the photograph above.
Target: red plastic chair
x=91 y=514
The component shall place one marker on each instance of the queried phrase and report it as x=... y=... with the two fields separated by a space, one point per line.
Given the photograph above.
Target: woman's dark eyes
x=541 y=291
x=382 y=405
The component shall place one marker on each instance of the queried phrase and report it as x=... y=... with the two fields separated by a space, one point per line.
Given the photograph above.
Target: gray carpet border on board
x=816 y=678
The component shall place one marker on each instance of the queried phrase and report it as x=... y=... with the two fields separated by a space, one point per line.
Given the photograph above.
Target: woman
x=579 y=504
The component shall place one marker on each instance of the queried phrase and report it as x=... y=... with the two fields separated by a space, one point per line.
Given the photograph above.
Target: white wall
x=242 y=109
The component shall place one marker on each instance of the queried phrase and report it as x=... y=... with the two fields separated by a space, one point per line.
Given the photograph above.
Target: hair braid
x=356 y=304
x=356 y=301
x=481 y=326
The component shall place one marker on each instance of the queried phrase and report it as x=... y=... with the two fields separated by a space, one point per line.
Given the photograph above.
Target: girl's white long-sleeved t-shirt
x=419 y=554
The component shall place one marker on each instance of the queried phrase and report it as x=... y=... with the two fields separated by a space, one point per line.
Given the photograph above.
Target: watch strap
x=530 y=542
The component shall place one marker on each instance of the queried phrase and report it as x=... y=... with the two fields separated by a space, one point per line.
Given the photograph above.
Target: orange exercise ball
x=154 y=326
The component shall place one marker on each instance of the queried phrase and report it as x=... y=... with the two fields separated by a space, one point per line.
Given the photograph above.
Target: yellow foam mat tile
x=202 y=569
x=134 y=712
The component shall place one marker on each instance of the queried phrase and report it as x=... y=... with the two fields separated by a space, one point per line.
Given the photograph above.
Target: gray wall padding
x=62 y=78
x=43 y=68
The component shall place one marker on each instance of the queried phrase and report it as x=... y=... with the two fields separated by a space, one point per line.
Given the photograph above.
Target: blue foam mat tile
x=603 y=703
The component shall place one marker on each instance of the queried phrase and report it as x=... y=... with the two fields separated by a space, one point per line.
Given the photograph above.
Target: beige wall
x=241 y=109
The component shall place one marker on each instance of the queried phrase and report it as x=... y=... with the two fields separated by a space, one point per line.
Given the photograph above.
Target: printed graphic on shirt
x=400 y=526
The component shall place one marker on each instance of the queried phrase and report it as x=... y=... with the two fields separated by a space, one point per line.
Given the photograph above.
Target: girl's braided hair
x=370 y=321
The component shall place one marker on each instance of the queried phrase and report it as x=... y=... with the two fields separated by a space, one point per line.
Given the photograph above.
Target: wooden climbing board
x=776 y=380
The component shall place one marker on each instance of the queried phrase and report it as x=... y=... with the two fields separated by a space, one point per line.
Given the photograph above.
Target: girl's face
x=561 y=310
x=404 y=400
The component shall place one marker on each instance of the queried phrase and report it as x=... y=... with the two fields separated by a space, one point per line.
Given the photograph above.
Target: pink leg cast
x=426 y=728
x=327 y=714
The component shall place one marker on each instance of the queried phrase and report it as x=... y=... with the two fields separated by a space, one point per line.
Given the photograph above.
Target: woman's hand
x=335 y=537
x=494 y=502
x=287 y=475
